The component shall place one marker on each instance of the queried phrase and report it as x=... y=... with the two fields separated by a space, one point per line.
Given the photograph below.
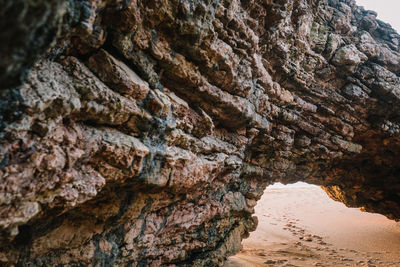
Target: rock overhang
x=149 y=130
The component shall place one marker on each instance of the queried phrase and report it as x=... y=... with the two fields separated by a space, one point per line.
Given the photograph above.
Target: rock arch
x=147 y=131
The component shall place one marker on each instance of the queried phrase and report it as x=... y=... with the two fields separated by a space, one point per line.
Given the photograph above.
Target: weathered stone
x=118 y=76
x=149 y=130
x=348 y=55
x=354 y=92
x=28 y=29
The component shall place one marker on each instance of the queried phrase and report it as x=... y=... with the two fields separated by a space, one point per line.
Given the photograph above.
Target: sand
x=302 y=226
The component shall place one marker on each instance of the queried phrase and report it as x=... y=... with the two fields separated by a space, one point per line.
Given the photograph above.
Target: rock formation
x=144 y=132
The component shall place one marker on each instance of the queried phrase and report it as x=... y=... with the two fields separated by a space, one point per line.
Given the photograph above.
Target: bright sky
x=298 y=184
x=388 y=10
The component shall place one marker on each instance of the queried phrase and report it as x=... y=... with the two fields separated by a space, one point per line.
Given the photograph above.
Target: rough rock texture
x=28 y=28
x=149 y=130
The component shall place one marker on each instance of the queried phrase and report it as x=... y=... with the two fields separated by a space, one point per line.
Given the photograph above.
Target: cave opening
x=300 y=225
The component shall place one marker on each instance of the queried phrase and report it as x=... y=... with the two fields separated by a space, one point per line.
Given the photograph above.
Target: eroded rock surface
x=149 y=130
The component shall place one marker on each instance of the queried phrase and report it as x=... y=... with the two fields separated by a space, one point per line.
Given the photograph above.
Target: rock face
x=146 y=133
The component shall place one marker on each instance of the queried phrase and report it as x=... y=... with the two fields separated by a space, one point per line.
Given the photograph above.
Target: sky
x=388 y=10
x=298 y=184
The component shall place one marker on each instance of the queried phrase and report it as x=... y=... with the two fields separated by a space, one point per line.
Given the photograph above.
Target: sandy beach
x=302 y=226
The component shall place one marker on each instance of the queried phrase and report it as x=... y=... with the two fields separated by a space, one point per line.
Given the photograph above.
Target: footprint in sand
x=347 y=259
